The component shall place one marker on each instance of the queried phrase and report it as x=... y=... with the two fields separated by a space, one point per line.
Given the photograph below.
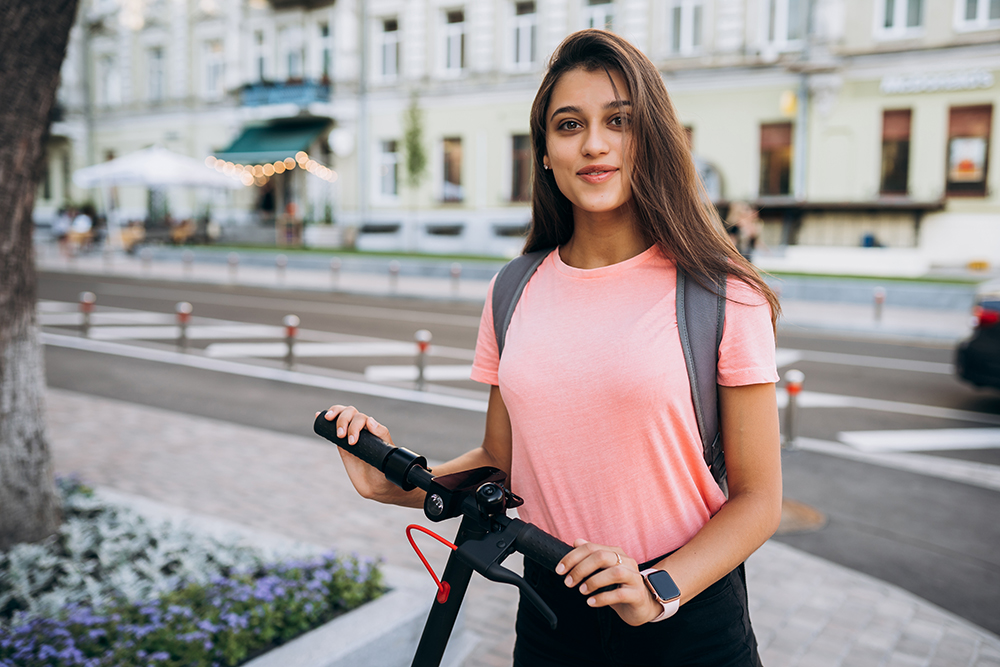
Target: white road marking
x=786 y=357
x=966 y=472
x=808 y=399
x=67 y=319
x=289 y=306
x=406 y=373
x=264 y=373
x=922 y=440
x=278 y=350
x=194 y=332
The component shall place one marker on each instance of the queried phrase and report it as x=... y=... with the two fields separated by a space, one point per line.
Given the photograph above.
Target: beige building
x=847 y=123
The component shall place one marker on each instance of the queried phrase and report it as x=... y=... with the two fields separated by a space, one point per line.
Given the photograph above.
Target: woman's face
x=584 y=140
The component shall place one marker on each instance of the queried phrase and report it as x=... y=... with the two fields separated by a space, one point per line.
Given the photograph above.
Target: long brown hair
x=669 y=201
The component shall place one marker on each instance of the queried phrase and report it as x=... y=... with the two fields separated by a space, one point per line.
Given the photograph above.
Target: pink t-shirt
x=605 y=439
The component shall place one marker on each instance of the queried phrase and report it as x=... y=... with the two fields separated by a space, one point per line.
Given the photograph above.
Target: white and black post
x=423 y=338
x=87 y=300
x=291 y=331
x=793 y=387
x=183 y=310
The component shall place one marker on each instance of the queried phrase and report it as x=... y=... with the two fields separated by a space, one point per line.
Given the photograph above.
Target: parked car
x=977 y=360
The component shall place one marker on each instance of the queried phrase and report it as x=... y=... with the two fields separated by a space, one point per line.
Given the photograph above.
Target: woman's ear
x=545 y=162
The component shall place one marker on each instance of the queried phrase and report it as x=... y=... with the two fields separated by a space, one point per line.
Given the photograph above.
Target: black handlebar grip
x=369 y=448
x=541 y=547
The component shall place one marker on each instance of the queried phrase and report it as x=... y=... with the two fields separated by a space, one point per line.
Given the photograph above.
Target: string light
x=259 y=174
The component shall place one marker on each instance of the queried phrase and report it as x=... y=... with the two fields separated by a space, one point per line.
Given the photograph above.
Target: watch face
x=664 y=585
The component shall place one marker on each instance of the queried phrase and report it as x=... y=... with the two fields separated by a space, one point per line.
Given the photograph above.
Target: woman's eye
x=569 y=125
x=619 y=121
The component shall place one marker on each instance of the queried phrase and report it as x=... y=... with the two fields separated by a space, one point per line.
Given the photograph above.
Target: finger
x=344 y=420
x=597 y=558
x=358 y=422
x=615 y=575
x=622 y=595
x=334 y=410
x=379 y=430
x=570 y=560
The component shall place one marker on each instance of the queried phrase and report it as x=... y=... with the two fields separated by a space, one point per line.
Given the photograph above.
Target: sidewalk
x=807 y=612
x=431 y=280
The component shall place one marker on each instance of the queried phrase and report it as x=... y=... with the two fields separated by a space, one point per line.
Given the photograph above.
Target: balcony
x=301 y=93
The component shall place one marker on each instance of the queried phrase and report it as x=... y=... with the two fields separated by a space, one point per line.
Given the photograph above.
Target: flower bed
x=111 y=590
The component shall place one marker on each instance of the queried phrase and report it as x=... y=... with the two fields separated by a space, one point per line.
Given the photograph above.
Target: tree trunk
x=33 y=39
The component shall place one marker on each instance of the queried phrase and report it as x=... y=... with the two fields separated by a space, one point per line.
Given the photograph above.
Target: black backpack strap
x=701 y=314
x=507 y=290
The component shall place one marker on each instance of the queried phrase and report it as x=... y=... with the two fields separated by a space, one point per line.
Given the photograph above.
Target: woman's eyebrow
x=613 y=104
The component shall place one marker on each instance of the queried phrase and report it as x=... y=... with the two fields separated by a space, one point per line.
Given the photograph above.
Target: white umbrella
x=153 y=167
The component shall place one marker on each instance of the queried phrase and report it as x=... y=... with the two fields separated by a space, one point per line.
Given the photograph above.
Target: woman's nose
x=595 y=142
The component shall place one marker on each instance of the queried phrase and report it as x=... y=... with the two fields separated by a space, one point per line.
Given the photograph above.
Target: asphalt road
x=934 y=537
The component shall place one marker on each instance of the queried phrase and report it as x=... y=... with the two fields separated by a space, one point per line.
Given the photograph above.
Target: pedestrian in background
x=743 y=218
x=590 y=410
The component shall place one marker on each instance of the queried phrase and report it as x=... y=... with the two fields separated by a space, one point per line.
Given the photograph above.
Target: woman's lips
x=597 y=173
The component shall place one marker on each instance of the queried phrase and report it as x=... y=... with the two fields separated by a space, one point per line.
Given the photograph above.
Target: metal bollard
x=793 y=386
x=423 y=338
x=394 y=267
x=291 y=330
x=183 y=310
x=188 y=258
x=335 y=272
x=146 y=254
x=456 y=275
x=233 y=259
x=87 y=300
x=280 y=262
x=879 y=295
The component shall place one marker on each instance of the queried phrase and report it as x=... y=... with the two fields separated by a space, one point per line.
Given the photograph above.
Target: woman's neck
x=601 y=240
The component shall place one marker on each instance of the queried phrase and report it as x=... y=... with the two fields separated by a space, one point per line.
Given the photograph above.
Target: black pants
x=712 y=630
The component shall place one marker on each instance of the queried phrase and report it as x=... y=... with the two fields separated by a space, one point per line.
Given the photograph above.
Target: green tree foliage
x=413 y=142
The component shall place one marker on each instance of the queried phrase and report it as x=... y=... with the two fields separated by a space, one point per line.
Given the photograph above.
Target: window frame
x=968 y=189
x=213 y=69
x=791 y=158
x=458 y=197
x=156 y=74
x=982 y=20
x=520 y=23
x=899 y=29
x=384 y=42
x=593 y=9
x=513 y=196
x=882 y=189
x=688 y=31
x=392 y=160
x=781 y=41
x=453 y=33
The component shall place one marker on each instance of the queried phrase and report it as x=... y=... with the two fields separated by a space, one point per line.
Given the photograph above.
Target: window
x=977 y=14
x=599 y=14
x=109 y=92
x=968 y=150
x=520 y=168
x=900 y=18
x=454 y=41
x=775 y=158
x=684 y=26
x=156 y=84
x=895 y=152
x=214 y=69
x=326 y=52
x=293 y=52
x=524 y=35
x=785 y=22
x=259 y=57
x=389 y=51
x=451 y=187
x=389 y=169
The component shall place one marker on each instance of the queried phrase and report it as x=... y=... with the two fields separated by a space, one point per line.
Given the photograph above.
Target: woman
x=590 y=411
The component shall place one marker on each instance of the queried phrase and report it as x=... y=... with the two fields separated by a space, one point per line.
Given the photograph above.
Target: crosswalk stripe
x=194 y=332
x=273 y=350
x=922 y=440
x=809 y=399
x=786 y=357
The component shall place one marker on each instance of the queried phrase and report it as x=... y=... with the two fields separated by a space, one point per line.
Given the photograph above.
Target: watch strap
x=670 y=607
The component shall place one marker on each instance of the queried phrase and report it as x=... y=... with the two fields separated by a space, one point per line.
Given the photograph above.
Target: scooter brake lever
x=500 y=574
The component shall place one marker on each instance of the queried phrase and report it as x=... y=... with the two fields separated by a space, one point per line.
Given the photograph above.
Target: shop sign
x=932 y=82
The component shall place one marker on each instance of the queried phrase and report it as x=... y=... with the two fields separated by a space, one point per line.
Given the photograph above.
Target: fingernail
x=569 y=581
x=591 y=601
x=317 y=414
x=329 y=414
x=583 y=588
x=560 y=568
x=340 y=433
x=352 y=439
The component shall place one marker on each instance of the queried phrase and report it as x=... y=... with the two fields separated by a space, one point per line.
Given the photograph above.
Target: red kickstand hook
x=444 y=588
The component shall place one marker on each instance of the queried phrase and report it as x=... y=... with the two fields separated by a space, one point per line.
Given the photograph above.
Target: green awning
x=270 y=143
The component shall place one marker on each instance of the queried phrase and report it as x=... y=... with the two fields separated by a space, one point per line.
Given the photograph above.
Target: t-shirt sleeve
x=746 y=354
x=486 y=363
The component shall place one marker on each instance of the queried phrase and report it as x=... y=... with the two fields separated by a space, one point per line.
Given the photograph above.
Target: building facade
x=844 y=122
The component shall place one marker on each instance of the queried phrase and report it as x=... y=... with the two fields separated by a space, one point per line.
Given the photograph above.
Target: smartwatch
x=664 y=590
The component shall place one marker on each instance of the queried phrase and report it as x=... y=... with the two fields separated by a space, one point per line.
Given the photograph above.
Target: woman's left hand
x=598 y=566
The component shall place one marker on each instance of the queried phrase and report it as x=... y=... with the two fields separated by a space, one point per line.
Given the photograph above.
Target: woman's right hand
x=368 y=481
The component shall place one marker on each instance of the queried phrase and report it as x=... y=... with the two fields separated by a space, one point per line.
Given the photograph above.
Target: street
x=890 y=511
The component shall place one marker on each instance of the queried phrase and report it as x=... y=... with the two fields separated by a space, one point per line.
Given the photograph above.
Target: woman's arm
x=749 y=421
x=370 y=483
